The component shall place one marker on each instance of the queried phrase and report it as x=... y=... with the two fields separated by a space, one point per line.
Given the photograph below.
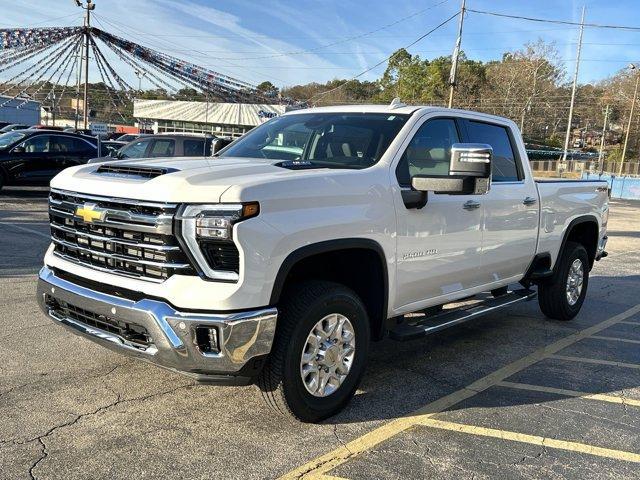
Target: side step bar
x=426 y=326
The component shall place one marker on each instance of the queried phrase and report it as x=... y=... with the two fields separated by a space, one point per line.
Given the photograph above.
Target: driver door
x=439 y=247
x=32 y=162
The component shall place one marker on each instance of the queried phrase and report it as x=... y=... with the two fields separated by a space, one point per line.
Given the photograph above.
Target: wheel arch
x=335 y=260
x=584 y=230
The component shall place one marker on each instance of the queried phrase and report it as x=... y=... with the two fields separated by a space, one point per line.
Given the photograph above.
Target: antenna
x=396 y=103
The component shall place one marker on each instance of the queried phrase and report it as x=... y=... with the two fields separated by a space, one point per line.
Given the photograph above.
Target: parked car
x=49 y=127
x=163 y=145
x=128 y=137
x=312 y=235
x=35 y=156
x=108 y=149
x=13 y=126
x=81 y=131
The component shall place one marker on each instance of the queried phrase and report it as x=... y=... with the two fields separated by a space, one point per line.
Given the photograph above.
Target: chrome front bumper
x=244 y=338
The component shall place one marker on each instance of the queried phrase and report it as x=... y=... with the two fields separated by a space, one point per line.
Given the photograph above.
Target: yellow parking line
x=616 y=339
x=532 y=440
x=595 y=361
x=571 y=393
x=330 y=460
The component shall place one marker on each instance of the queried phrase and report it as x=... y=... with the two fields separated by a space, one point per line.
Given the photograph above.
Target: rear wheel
x=319 y=353
x=562 y=297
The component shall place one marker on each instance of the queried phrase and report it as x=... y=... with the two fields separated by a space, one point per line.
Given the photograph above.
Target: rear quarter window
x=504 y=166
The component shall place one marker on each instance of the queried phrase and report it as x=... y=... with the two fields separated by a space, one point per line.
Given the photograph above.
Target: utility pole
x=454 y=56
x=87 y=32
x=632 y=67
x=604 y=131
x=573 y=88
x=78 y=70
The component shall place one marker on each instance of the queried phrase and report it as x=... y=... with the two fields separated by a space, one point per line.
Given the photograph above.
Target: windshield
x=134 y=149
x=334 y=140
x=7 y=139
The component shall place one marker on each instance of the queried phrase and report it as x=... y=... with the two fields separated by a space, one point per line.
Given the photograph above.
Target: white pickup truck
x=280 y=259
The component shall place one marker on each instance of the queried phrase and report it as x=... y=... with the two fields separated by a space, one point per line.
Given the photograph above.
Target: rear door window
x=66 y=144
x=163 y=148
x=193 y=148
x=504 y=166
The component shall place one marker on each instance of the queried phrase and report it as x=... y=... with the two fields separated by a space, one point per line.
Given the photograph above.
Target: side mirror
x=469 y=172
x=18 y=149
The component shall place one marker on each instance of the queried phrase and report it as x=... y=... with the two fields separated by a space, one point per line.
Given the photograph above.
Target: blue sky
x=247 y=39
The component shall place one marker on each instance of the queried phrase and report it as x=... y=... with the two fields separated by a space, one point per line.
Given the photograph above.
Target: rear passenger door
x=510 y=223
x=67 y=151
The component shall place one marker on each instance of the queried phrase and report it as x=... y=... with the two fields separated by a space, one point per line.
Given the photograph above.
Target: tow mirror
x=469 y=172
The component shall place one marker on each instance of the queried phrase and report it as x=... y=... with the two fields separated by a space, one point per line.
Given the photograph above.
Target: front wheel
x=319 y=353
x=562 y=297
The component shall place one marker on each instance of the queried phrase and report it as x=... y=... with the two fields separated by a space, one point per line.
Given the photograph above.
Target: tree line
x=529 y=85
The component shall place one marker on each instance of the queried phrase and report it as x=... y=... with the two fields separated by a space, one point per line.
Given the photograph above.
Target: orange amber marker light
x=250 y=209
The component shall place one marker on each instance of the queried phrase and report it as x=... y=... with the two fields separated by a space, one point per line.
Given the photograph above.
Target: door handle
x=529 y=201
x=471 y=205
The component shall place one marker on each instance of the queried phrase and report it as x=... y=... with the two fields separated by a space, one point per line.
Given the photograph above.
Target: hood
x=172 y=180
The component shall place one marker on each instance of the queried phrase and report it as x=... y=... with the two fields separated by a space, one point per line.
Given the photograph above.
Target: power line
x=348 y=39
x=558 y=22
x=387 y=58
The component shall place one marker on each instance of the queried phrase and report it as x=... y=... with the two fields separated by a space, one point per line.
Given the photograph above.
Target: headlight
x=207 y=231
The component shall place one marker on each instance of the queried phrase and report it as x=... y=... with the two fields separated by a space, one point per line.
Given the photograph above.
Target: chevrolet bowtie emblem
x=89 y=213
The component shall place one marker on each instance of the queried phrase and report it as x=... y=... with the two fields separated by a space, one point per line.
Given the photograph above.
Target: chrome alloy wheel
x=574 y=281
x=327 y=355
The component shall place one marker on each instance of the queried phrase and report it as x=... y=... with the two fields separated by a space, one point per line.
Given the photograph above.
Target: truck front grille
x=125 y=237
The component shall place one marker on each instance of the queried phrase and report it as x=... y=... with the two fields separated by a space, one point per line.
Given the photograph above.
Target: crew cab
x=279 y=260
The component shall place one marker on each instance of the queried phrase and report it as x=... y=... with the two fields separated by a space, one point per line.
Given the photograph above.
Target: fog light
x=207 y=339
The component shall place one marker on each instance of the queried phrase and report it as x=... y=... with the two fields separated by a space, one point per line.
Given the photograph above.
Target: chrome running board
x=412 y=328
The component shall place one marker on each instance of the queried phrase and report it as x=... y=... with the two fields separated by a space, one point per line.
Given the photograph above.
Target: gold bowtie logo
x=89 y=213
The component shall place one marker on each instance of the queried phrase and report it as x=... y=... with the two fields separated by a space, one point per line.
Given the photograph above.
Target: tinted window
x=338 y=140
x=193 y=148
x=503 y=165
x=163 y=148
x=429 y=152
x=36 y=144
x=135 y=149
x=64 y=144
x=7 y=139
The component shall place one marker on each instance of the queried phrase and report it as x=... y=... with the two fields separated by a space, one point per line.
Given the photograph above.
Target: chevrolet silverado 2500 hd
x=280 y=259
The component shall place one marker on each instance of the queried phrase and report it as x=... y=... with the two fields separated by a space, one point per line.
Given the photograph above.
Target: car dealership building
x=220 y=119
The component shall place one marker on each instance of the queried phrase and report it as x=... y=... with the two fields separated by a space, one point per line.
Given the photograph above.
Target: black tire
x=301 y=308
x=552 y=295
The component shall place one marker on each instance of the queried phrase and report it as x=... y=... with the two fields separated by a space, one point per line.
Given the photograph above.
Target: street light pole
x=632 y=67
x=140 y=74
x=87 y=31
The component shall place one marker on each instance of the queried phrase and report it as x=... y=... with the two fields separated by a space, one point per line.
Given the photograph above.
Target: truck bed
x=562 y=201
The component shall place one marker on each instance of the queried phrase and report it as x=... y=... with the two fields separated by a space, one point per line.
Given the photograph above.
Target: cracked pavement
x=70 y=409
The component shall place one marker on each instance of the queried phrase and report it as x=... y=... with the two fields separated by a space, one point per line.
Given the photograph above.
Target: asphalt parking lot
x=509 y=396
